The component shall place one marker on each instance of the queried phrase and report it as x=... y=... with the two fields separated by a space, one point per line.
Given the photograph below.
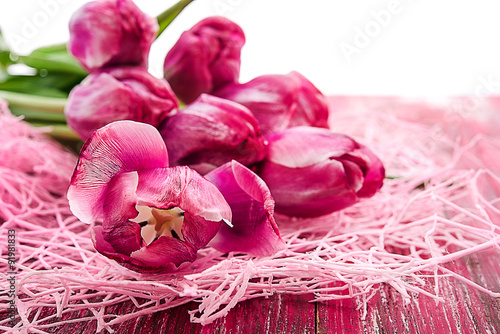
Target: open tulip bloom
x=152 y=217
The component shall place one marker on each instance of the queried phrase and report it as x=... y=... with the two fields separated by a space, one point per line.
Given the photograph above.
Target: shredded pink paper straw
x=441 y=204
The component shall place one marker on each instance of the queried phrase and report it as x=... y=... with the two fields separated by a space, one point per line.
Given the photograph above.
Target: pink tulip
x=205 y=58
x=122 y=93
x=313 y=172
x=212 y=131
x=107 y=33
x=153 y=218
x=255 y=231
x=280 y=101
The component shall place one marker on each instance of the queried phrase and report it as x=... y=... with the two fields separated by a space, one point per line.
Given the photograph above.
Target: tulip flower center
x=156 y=223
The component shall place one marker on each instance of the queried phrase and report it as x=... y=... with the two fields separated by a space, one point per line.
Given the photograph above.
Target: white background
x=422 y=48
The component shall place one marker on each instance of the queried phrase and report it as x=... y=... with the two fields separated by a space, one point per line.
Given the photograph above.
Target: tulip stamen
x=174 y=234
x=160 y=222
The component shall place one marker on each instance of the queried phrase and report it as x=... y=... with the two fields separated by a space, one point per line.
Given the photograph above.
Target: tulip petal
x=254 y=229
x=304 y=146
x=119 y=147
x=120 y=199
x=162 y=252
x=312 y=109
x=270 y=98
x=93 y=104
x=124 y=238
x=119 y=93
x=158 y=256
x=111 y=33
x=205 y=58
x=280 y=101
x=182 y=187
x=203 y=205
x=198 y=231
x=353 y=175
x=310 y=191
x=374 y=176
x=313 y=172
x=212 y=131
x=188 y=75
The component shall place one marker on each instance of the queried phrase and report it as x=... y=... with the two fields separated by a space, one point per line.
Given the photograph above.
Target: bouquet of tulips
x=173 y=164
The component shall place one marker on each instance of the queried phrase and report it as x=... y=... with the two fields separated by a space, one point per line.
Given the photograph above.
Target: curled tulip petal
x=373 y=174
x=212 y=131
x=119 y=147
x=162 y=253
x=110 y=33
x=205 y=58
x=254 y=229
x=280 y=101
x=313 y=172
x=165 y=253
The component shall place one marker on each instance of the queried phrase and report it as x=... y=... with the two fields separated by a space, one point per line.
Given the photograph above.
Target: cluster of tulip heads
x=160 y=182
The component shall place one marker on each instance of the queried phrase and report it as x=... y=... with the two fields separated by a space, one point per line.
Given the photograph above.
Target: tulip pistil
x=160 y=222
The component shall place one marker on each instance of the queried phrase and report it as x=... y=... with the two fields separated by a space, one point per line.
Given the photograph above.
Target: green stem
x=38 y=116
x=165 y=18
x=58 y=131
x=49 y=104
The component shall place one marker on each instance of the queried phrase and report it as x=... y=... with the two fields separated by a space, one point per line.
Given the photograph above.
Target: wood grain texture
x=278 y=314
x=465 y=310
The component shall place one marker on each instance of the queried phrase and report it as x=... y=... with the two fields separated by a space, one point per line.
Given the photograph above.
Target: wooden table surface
x=465 y=310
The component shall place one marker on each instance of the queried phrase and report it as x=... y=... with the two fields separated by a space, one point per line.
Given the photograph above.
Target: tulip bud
x=124 y=93
x=280 y=101
x=312 y=172
x=205 y=58
x=110 y=33
x=212 y=131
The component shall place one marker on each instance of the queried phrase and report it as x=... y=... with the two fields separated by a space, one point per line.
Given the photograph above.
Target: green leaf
x=54 y=84
x=53 y=58
x=5 y=59
x=165 y=18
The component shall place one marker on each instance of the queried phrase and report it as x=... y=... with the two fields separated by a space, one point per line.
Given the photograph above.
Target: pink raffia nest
x=441 y=203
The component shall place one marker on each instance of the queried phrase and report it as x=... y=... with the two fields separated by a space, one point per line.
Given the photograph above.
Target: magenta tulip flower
x=212 y=131
x=107 y=33
x=313 y=172
x=150 y=217
x=122 y=93
x=205 y=58
x=255 y=230
x=280 y=101
x=153 y=217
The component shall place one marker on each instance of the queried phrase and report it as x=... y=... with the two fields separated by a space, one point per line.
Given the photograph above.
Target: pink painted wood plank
x=278 y=314
x=465 y=310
